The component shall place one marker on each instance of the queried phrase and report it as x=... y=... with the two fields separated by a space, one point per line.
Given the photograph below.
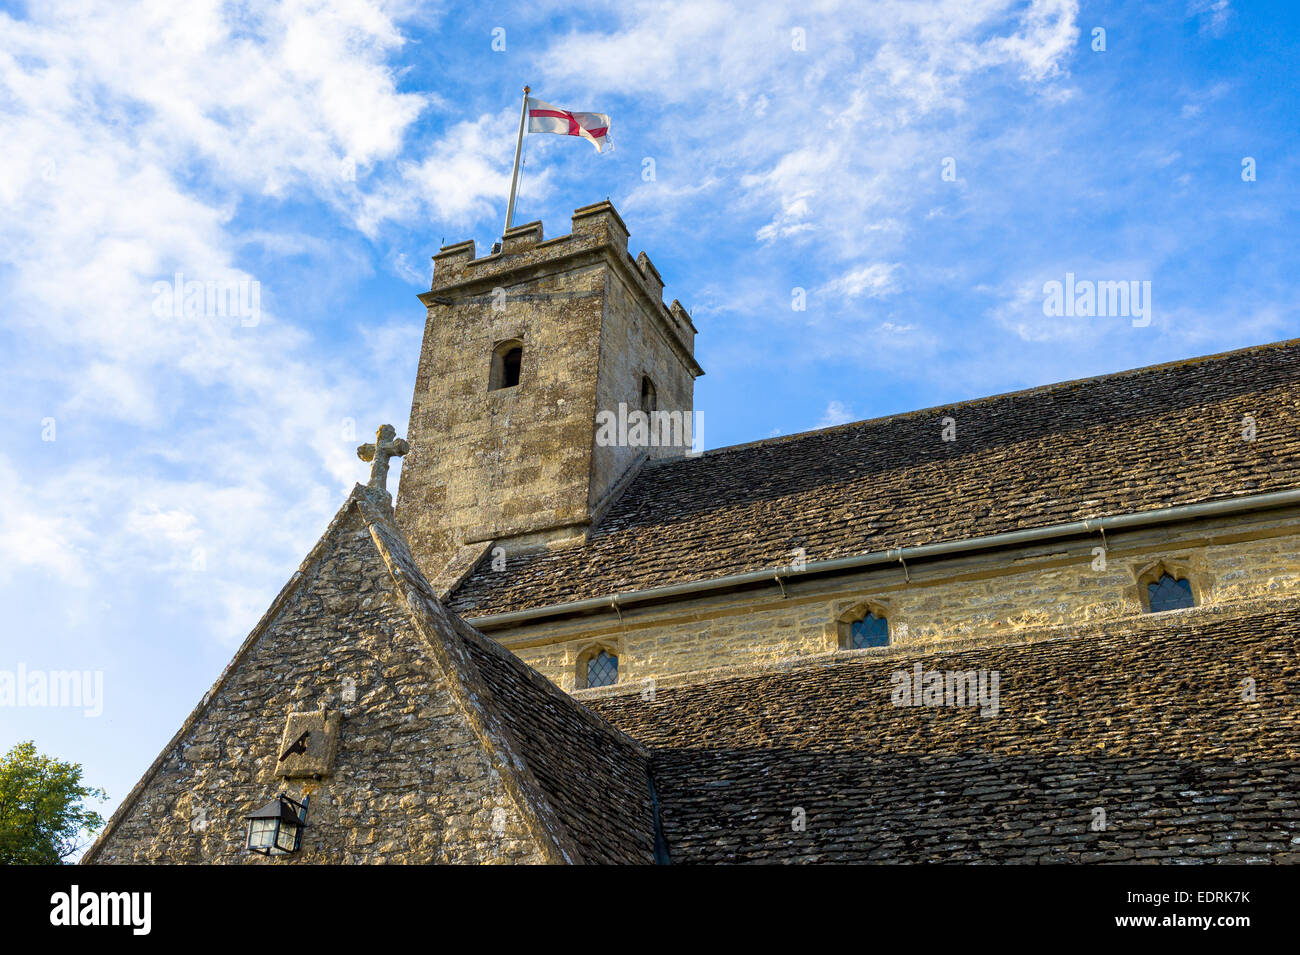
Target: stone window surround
x=1180 y=567
x=496 y=366
x=839 y=633
x=590 y=651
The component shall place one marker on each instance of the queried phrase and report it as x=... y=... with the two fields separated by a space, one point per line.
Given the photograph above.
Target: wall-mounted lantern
x=276 y=828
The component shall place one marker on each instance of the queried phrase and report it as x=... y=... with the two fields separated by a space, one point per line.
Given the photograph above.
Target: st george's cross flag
x=545 y=118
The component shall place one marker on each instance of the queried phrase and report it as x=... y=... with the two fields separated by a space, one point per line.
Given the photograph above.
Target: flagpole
x=519 y=148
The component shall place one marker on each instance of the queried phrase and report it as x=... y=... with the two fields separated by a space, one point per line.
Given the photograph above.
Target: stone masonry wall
x=980 y=599
x=632 y=346
x=490 y=464
x=410 y=782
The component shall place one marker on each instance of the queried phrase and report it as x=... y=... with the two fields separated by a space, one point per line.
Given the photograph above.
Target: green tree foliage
x=42 y=819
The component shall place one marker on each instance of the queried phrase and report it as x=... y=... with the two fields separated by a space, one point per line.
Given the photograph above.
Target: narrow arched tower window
x=648 y=399
x=507 y=360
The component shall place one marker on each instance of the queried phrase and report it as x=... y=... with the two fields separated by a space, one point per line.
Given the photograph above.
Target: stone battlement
x=596 y=229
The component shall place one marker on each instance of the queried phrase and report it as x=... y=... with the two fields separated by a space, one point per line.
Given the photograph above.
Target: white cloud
x=136 y=130
x=833 y=141
x=874 y=280
x=269 y=97
x=836 y=413
x=460 y=179
x=41 y=535
x=1047 y=34
x=1214 y=15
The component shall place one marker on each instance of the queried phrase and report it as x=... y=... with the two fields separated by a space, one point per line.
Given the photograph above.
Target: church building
x=1059 y=625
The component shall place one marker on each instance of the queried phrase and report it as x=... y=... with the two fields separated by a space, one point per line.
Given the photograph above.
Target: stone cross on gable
x=387 y=445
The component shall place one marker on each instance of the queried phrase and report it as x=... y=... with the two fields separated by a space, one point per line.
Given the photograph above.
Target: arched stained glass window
x=1169 y=593
x=870 y=631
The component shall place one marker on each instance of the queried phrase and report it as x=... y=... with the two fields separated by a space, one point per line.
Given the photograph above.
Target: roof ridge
x=973 y=402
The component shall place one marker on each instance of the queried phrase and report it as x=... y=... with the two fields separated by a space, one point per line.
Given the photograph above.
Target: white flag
x=545 y=118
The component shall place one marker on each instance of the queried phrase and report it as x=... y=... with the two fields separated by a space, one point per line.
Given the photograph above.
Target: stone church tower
x=522 y=349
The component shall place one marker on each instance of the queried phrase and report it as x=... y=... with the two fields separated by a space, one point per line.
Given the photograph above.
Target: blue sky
x=325 y=150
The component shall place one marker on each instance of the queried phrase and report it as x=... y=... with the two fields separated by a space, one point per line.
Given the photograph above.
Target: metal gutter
x=900 y=555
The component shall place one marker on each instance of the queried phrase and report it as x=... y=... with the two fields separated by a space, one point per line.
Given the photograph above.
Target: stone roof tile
x=1144 y=719
x=1134 y=441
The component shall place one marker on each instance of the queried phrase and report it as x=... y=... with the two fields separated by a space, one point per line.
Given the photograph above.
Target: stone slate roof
x=1133 y=441
x=598 y=780
x=1143 y=719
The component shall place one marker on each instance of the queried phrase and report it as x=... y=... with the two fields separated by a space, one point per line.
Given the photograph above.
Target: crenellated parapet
x=597 y=231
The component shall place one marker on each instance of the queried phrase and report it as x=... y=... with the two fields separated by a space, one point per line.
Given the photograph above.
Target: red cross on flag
x=545 y=118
